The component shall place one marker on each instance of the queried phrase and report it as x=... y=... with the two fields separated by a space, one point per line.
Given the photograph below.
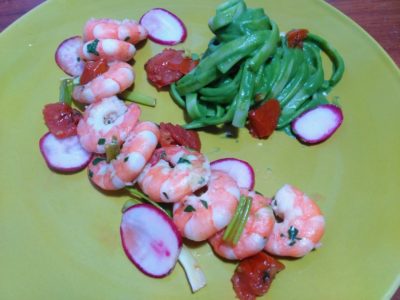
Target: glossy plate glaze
x=59 y=236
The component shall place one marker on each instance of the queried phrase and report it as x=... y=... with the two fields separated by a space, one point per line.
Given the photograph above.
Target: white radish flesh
x=163 y=27
x=68 y=56
x=150 y=240
x=318 y=124
x=239 y=170
x=194 y=274
x=64 y=155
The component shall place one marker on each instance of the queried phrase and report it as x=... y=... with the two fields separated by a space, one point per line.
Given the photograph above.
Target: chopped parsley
x=126 y=159
x=202 y=180
x=91 y=48
x=101 y=141
x=97 y=160
x=165 y=195
x=266 y=276
x=127 y=38
x=189 y=208
x=163 y=155
x=292 y=234
x=90 y=173
x=183 y=160
x=205 y=203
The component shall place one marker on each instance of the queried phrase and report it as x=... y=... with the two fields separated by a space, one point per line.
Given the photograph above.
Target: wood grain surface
x=380 y=18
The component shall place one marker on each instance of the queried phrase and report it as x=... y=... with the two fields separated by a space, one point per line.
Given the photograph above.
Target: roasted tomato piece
x=182 y=64
x=168 y=66
x=176 y=135
x=253 y=276
x=263 y=120
x=296 y=37
x=93 y=69
x=61 y=119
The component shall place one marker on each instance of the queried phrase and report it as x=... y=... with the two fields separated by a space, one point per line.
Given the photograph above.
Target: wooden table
x=380 y=18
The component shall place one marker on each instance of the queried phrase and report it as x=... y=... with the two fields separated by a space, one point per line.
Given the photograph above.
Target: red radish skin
x=163 y=27
x=316 y=125
x=238 y=169
x=68 y=58
x=64 y=155
x=150 y=240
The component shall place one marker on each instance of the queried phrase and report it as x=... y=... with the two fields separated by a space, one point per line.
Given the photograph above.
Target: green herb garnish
x=205 y=203
x=235 y=228
x=165 y=195
x=189 y=208
x=92 y=47
x=292 y=235
x=112 y=149
x=66 y=87
x=183 y=160
x=138 y=97
x=201 y=181
x=97 y=160
x=139 y=197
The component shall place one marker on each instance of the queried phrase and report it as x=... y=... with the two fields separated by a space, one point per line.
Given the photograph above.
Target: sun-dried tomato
x=253 y=276
x=263 y=120
x=176 y=135
x=296 y=37
x=93 y=69
x=168 y=66
x=61 y=119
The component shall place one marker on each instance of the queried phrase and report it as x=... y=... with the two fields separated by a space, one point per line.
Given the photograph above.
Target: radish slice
x=64 y=155
x=150 y=240
x=238 y=169
x=318 y=124
x=163 y=27
x=68 y=58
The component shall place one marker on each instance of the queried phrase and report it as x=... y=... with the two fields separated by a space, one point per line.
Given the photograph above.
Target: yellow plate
x=59 y=237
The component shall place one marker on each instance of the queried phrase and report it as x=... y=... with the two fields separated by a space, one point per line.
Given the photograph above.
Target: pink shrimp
x=125 y=30
x=302 y=227
x=118 y=78
x=256 y=231
x=179 y=172
x=125 y=168
x=198 y=217
x=110 y=49
x=104 y=121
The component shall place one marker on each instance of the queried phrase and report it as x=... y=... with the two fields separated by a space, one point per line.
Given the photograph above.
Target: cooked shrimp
x=125 y=30
x=200 y=217
x=179 y=172
x=110 y=49
x=104 y=121
x=125 y=168
x=302 y=227
x=137 y=151
x=254 y=237
x=118 y=78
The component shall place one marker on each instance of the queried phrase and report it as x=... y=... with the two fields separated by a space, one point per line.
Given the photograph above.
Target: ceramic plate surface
x=59 y=237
